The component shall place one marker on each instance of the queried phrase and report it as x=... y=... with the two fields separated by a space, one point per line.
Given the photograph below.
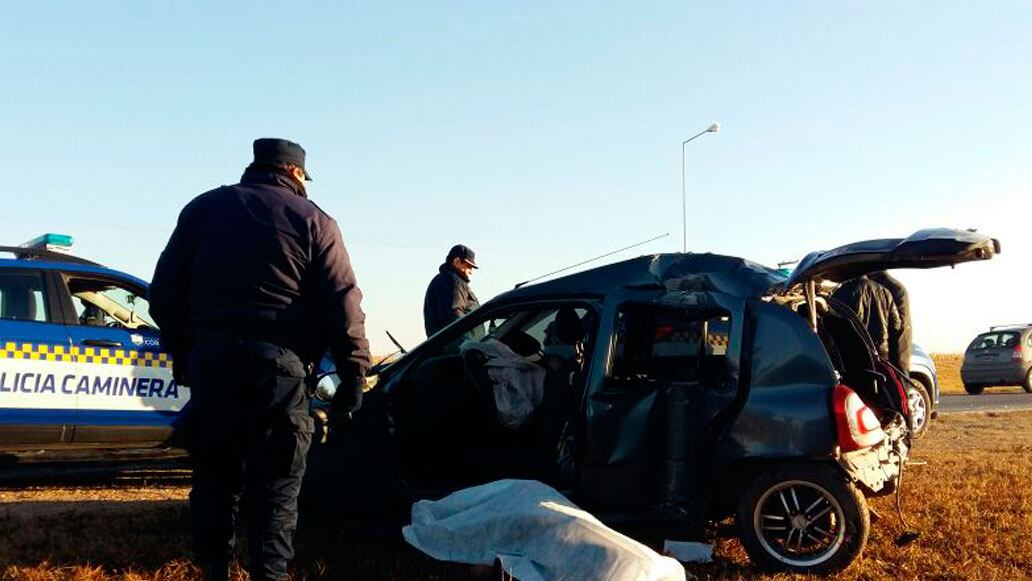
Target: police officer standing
x=875 y=307
x=901 y=341
x=448 y=296
x=253 y=287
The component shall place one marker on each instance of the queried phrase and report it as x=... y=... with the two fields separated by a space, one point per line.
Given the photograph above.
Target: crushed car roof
x=670 y=272
x=680 y=272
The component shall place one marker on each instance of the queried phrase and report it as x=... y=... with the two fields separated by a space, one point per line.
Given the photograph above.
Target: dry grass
x=971 y=503
x=947 y=367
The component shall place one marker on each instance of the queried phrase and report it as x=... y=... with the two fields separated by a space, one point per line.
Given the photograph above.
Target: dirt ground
x=966 y=493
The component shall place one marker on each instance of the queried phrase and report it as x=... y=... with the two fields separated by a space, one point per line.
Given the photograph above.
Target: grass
x=967 y=495
x=947 y=367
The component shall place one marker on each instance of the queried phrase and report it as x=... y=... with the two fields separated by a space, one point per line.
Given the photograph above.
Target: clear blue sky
x=537 y=133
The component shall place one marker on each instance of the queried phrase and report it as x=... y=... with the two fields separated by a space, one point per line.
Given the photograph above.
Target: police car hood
x=928 y=248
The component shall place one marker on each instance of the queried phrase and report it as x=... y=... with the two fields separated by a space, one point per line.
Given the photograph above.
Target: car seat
x=568 y=332
x=92 y=316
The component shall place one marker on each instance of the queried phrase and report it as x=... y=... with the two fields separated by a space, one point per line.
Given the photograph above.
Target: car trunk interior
x=854 y=357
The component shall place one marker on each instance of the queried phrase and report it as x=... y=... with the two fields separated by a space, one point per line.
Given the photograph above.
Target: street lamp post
x=713 y=128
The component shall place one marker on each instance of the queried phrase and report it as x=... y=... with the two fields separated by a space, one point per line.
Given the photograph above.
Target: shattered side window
x=671 y=346
x=676 y=347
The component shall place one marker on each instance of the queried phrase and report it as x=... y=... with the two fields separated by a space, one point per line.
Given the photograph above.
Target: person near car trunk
x=877 y=310
x=448 y=297
x=900 y=343
x=254 y=286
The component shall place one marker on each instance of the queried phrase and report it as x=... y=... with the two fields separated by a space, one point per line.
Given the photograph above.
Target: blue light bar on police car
x=52 y=242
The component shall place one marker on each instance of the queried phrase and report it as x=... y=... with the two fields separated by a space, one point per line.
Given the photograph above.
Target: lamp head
x=714 y=128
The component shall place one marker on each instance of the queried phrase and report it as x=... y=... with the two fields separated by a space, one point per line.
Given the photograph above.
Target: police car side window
x=103 y=303
x=22 y=296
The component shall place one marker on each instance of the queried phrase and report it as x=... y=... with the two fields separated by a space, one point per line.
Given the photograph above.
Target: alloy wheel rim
x=918 y=412
x=799 y=523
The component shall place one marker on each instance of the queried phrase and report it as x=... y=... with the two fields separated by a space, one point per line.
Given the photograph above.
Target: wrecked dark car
x=674 y=388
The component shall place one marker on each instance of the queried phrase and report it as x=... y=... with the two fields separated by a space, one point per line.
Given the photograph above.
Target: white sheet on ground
x=689 y=551
x=537 y=534
x=518 y=384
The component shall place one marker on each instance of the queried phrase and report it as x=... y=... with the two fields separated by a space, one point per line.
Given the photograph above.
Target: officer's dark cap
x=276 y=151
x=464 y=253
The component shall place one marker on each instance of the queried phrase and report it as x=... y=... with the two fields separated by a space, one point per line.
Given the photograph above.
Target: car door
x=124 y=380
x=668 y=373
x=445 y=411
x=36 y=406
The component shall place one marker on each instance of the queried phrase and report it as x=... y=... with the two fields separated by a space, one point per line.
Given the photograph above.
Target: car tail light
x=1016 y=354
x=856 y=423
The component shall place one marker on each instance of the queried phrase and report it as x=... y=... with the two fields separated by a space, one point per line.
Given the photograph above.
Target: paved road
x=986 y=402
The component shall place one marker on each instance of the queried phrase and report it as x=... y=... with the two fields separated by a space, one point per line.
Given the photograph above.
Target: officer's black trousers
x=249 y=435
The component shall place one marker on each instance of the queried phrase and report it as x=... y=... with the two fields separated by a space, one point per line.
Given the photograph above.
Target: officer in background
x=448 y=296
x=877 y=310
x=253 y=287
x=900 y=341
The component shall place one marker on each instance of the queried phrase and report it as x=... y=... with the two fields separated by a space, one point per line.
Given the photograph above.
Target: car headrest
x=568 y=327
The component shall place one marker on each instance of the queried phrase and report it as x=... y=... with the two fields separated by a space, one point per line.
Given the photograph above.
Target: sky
x=537 y=133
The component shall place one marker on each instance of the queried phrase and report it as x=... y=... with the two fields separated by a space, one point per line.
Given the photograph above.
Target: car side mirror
x=326 y=386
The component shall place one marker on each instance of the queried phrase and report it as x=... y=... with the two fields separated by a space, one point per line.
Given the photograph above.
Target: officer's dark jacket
x=447 y=298
x=902 y=342
x=258 y=260
x=874 y=305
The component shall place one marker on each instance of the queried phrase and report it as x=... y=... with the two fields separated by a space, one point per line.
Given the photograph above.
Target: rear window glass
x=1002 y=339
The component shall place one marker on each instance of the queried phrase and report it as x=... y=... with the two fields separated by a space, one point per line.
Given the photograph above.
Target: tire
x=920 y=404
x=1027 y=384
x=830 y=510
x=973 y=388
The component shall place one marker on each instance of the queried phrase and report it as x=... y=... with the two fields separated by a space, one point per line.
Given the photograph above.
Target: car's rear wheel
x=973 y=388
x=1027 y=384
x=803 y=518
x=920 y=404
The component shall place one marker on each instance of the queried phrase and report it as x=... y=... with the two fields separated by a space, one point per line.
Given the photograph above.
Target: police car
x=80 y=362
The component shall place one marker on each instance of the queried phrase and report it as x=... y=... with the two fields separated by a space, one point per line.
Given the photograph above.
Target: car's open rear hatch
x=928 y=248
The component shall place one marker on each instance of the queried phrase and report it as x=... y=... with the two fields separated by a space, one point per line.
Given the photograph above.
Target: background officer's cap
x=463 y=252
x=280 y=152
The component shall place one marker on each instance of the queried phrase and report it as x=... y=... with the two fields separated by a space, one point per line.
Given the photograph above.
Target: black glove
x=348 y=397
